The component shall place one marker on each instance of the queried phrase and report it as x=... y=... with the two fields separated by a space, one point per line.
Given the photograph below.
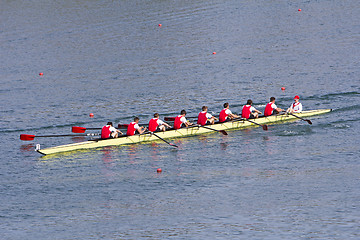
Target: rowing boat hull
x=183 y=132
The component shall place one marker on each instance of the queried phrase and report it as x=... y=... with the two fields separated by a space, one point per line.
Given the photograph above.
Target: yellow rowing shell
x=183 y=132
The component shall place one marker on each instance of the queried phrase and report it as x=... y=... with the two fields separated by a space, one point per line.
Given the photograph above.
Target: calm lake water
x=111 y=58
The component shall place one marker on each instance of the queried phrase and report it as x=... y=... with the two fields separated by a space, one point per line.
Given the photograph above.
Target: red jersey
x=105 y=132
x=153 y=124
x=131 y=129
x=246 y=111
x=268 y=109
x=177 y=122
x=223 y=115
x=202 y=118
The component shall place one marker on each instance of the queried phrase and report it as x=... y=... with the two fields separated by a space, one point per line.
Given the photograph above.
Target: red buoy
x=160 y=24
x=283 y=88
x=214 y=53
x=91 y=115
x=299 y=9
x=159 y=170
x=41 y=74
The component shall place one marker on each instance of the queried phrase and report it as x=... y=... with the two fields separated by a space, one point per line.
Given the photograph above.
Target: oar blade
x=123 y=125
x=308 y=121
x=169 y=118
x=265 y=127
x=27 y=137
x=78 y=129
x=224 y=132
x=171 y=144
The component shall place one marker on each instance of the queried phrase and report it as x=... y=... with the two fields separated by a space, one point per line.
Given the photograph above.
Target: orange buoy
x=160 y=24
x=214 y=53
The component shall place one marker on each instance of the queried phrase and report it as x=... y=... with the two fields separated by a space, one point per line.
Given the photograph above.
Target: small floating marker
x=299 y=10
x=41 y=74
x=159 y=170
x=283 y=88
x=214 y=53
x=91 y=115
x=160 y=25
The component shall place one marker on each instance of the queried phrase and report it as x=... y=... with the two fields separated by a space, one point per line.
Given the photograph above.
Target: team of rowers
x=155 y=124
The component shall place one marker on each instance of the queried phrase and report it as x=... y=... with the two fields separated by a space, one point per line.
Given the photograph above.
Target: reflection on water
x=27 y=148
x=224 y=146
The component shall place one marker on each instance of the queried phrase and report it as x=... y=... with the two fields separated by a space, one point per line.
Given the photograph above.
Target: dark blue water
x=110 y=58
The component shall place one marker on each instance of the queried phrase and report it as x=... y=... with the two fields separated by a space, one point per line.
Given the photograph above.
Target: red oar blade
x=78 y=129
x=265 y=127
x=27 y=137
x=123 y=125
x=309 y=122
x=224 y=132
x=169 y=118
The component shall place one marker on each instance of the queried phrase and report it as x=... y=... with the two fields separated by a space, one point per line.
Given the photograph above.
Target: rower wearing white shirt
x=205 y=117
x=271 y=108
x=181 y=120
x=226 y=114
x=108 y=131
x=134 y=126
x=249 y=111
x=296 y=107
x=157 y=124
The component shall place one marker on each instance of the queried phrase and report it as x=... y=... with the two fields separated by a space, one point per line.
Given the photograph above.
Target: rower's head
x=183 y=112
x=272 y=99
x=226 y=105
x=204 y=108
x=136 y=119
x=249 y=102
x=296 y=98
x=109 y=124
x=156 y=115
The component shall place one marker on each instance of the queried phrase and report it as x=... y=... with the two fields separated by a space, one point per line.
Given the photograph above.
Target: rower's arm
x=233 y=115
x=258 y=111
x=141 y=130
x=187 y=123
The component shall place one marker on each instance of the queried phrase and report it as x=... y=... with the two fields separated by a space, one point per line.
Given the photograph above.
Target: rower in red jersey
x=249 y=111
x=226 y=114
x=157 y=124
x=134 y=126
x=205 y=117
x=271 y=108
x=180 y=121
x=108 y=131
x=296 y=107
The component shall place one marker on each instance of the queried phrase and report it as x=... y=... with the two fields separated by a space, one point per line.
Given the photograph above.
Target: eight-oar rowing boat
x=193 y=130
